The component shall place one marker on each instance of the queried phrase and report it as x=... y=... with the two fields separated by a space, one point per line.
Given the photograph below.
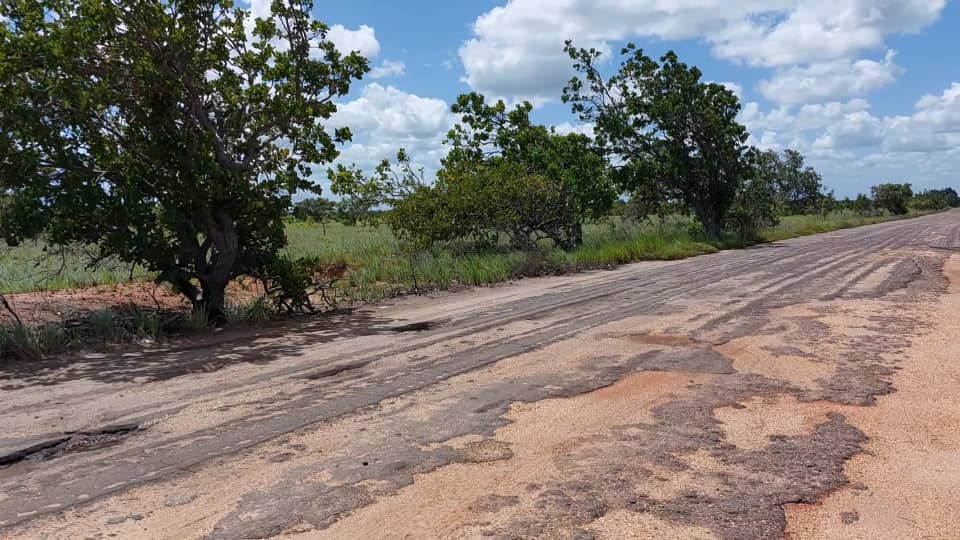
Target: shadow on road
x=196 y=354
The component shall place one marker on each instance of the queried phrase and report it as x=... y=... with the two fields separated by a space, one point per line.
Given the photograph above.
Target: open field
x=805 y=387
x=379 y=266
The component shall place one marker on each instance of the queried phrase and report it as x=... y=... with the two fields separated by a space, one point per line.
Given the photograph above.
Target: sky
x=867 y=90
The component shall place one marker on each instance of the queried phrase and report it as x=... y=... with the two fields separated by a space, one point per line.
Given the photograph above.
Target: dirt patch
x=486 y=451
x=52 y=306
x=668 y=340
x=907 y=483
x=540 y=440
x=761 y=421
x=623 y=524
x=691 y=360
x=763 y=356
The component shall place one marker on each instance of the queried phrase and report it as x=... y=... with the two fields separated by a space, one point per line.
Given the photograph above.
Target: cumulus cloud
x=854 y=148
x=736 y=88
x=387 y=68
x=362 y=40
x=567 y=128
x=384 y=119
x=516 y=49
x=830 y=80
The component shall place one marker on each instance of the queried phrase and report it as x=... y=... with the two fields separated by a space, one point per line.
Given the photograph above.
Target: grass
x=795 y=226
x=378 y=265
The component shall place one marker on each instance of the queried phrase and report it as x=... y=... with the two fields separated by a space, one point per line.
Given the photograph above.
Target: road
x=803 y=388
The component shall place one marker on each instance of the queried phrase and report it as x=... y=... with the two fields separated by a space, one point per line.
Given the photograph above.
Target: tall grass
x=32 y=266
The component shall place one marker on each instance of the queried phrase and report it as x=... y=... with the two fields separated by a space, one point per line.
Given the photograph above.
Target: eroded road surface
x=806 y=389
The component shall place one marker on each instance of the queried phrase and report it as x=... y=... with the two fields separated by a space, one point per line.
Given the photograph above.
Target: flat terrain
x=803 y=388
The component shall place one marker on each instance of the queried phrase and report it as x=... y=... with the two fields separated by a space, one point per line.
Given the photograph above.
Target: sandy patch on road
x=626 y=525
x=753 y=354
x=907 y=483
x=539 y=437
x=751 y=425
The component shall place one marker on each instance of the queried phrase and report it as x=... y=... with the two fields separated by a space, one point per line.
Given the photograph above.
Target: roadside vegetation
x=169 y=142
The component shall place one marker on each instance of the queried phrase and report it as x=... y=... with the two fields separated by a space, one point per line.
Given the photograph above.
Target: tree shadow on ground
x=200 y=353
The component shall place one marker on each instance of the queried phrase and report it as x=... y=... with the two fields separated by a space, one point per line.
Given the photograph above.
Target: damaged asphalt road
x=721 y=396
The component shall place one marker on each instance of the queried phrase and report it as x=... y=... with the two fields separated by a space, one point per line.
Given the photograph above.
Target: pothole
x=333 y=370
x=70 y=442
x=419 y=326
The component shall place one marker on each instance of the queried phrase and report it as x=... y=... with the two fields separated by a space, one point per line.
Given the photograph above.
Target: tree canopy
x=168 y=134
x=503 y=175
x=892 y=197
x=670 y=135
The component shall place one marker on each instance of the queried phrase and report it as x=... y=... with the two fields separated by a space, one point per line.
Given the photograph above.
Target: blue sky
x=868 y=90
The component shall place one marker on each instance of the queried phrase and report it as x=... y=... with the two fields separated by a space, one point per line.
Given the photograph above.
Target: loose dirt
x=907 y=482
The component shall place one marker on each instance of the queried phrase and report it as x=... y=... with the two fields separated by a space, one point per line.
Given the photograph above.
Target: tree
x=664 y=127
x=799 y=186
x=892 y=197
x=502 y=175
x=492 y=139
x=168 y=134
x=757 y=203
x=316 y=209
x=935 y=199
x=863 y=204
x=360 y=194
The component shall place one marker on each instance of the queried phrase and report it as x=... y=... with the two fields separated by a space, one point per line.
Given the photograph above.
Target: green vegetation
x=167 y=134
x=371 y=264
x=166 y=140
x=375 y=264
x=892 y=197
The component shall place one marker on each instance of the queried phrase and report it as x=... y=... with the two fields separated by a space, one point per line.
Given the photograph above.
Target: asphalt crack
x=72 y=441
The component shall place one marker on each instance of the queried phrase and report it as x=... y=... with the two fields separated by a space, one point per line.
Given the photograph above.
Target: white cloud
x=384 y=119
x=362 y=40
x=855 y=130
x=387 y=68
x=820 y=115
x=830 y=80
x=855 y=148
x=567 y=128
x=517 y=49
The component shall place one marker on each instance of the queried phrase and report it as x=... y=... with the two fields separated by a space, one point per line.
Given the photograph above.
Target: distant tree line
x=899 y=199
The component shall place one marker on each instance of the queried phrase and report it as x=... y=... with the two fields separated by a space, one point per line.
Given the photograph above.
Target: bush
x=491 y=200
x=892 y=197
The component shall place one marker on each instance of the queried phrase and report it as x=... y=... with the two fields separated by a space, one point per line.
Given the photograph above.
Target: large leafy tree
x=490 y=137
x=892 y=197
x=799 y=185
x=166 y=133
x=670 y=135
x=935 y=199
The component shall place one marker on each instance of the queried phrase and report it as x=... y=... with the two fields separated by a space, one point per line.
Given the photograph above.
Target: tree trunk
x=214 y=263
x=711 y=225
x=214 y=302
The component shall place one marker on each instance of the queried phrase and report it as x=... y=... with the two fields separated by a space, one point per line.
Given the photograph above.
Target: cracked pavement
x=743 y=394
